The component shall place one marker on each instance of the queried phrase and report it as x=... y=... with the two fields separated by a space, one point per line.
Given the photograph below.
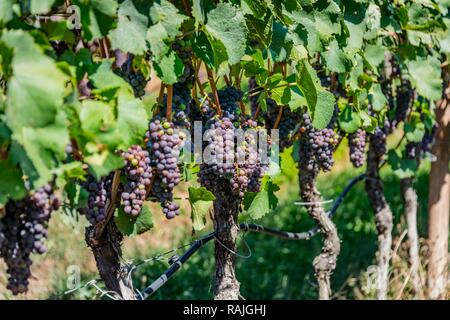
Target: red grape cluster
x=287 y=125
x=236 y=164
x=139 y=174
x=357 y=144
x=316 y=147
x=99 y=192
x=23 y=231
x=165 y=145
x=134 y=77
x=404 y=100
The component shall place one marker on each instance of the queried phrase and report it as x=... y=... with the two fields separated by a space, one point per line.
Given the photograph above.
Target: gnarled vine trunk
x=439 y=200
x=383 y=216
x=226 y=208
x=325 y=262
x=107 y=253
x=410 y=201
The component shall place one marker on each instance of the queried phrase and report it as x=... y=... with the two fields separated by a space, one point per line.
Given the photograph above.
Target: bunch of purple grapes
x=134 y=77
x=219 y=156
x=404 y=100
x=229 y=99
x=287 y=126
x=377 y=141
x=165 y=145
x=139 y=174
x=357 y=144
x=23 y=231
x=236 y=164
x=182 y=100
x=99 y=192
x=253 y=95
x=316 y=147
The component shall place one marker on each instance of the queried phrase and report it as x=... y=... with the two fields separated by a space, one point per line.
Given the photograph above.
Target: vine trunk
x=226 y=208
x=107 y=253
x=410 y=200
x=383 y=216
x=325 y=262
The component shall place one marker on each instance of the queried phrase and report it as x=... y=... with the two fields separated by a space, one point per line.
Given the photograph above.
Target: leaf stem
x=278 y=120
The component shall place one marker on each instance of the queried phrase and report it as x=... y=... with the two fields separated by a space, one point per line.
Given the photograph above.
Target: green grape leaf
x=306 y=33
x=220 y=56
x=77 y=196
x=335 y=59
x=159 y=48
x=11 y=183
x=41 y=6
x=374 y=55
x=130 y=34
x=226 y=23
x=377 y=98
x=6 y=11
x=349 y=120
x=97 y=119
x=18 y=156
x=101 y=164
x=36 y=87
x=298 y=100
x=281 y=94
x=426 y=77
x=106 y=81
x=97 y=17
x=324 y=26
x=323 y=111
x=200 y=200
x=130 y=226
x=281 y=44
x=261 y=29
x=131 y=119
x=166 y=24
x=307 y=86
x=320 y=102
x=165 y=13
x=414 y=133
x=354 y=20
x=203 y=49
x=169 y=68
x=197 y=11
x=402 y=167
x=45 y=145
x=258 y=204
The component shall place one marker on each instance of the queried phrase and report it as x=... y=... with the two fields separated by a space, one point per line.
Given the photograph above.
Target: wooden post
x=439 y=200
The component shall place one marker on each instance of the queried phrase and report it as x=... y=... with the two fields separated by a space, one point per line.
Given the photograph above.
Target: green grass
x=282 y=269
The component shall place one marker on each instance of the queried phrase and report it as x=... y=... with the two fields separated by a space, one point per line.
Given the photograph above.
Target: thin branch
x=278 y=120
x=227 y=80
x=186 y=8
x=169 y=102
x=161 y=93
x=214 y=89
x=197 y=79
